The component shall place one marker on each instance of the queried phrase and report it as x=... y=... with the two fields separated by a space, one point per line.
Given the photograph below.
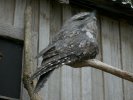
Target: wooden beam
x=10 y=31
x=106 y=8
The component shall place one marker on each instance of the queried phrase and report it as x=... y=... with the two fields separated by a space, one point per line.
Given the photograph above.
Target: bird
x=76 y=41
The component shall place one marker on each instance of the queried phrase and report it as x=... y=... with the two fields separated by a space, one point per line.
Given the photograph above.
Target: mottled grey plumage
x=75 y=41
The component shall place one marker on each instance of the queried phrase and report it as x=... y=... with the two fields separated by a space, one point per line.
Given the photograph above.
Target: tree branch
x=104 y=67
x=28 y=59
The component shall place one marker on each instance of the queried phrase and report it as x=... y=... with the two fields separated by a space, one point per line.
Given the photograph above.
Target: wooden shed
x=115 y=41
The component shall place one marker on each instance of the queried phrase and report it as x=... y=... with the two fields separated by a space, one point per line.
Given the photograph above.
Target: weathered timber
x=10 y=31
x=105 y=8
x=28 y=59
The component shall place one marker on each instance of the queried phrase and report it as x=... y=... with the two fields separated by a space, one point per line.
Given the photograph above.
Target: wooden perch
x=28 y=59
x=104 y=67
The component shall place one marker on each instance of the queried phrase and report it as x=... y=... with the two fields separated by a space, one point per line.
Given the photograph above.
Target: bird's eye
x=82 y=17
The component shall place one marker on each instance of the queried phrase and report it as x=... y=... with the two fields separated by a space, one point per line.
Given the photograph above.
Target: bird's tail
x=44 y=72
x=42 y=79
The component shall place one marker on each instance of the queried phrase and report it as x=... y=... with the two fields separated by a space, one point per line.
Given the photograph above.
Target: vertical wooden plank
x=97 y=75
x=127 y=56
x=111 y=55
x=66 y=71
x=19 y=13
x=55 y=23
x=86 y=84
x=44 y=30
x=7 y=11
x=76 y=86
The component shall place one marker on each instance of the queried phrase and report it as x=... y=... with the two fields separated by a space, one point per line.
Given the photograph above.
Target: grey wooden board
x=86 y=84
x=7 y=11
x=111 y=55
x=76 y=86
x=7 y=18
x=10 y=31
x=20 y=6
x=127 y=56
x=55 y=23
x=66 y=71
x=44 y=31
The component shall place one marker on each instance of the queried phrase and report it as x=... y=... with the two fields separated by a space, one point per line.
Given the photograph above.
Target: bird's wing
x=53 y=63
x=46 y=50
x=47 y=68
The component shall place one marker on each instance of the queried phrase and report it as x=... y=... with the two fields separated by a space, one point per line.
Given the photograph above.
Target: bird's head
x=82 y=20
x=84 y=16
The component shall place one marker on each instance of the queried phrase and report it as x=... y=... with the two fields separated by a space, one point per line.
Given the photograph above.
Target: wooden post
x=28 y=59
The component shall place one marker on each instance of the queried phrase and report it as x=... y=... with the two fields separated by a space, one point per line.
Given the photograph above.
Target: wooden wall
x=66 y=83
